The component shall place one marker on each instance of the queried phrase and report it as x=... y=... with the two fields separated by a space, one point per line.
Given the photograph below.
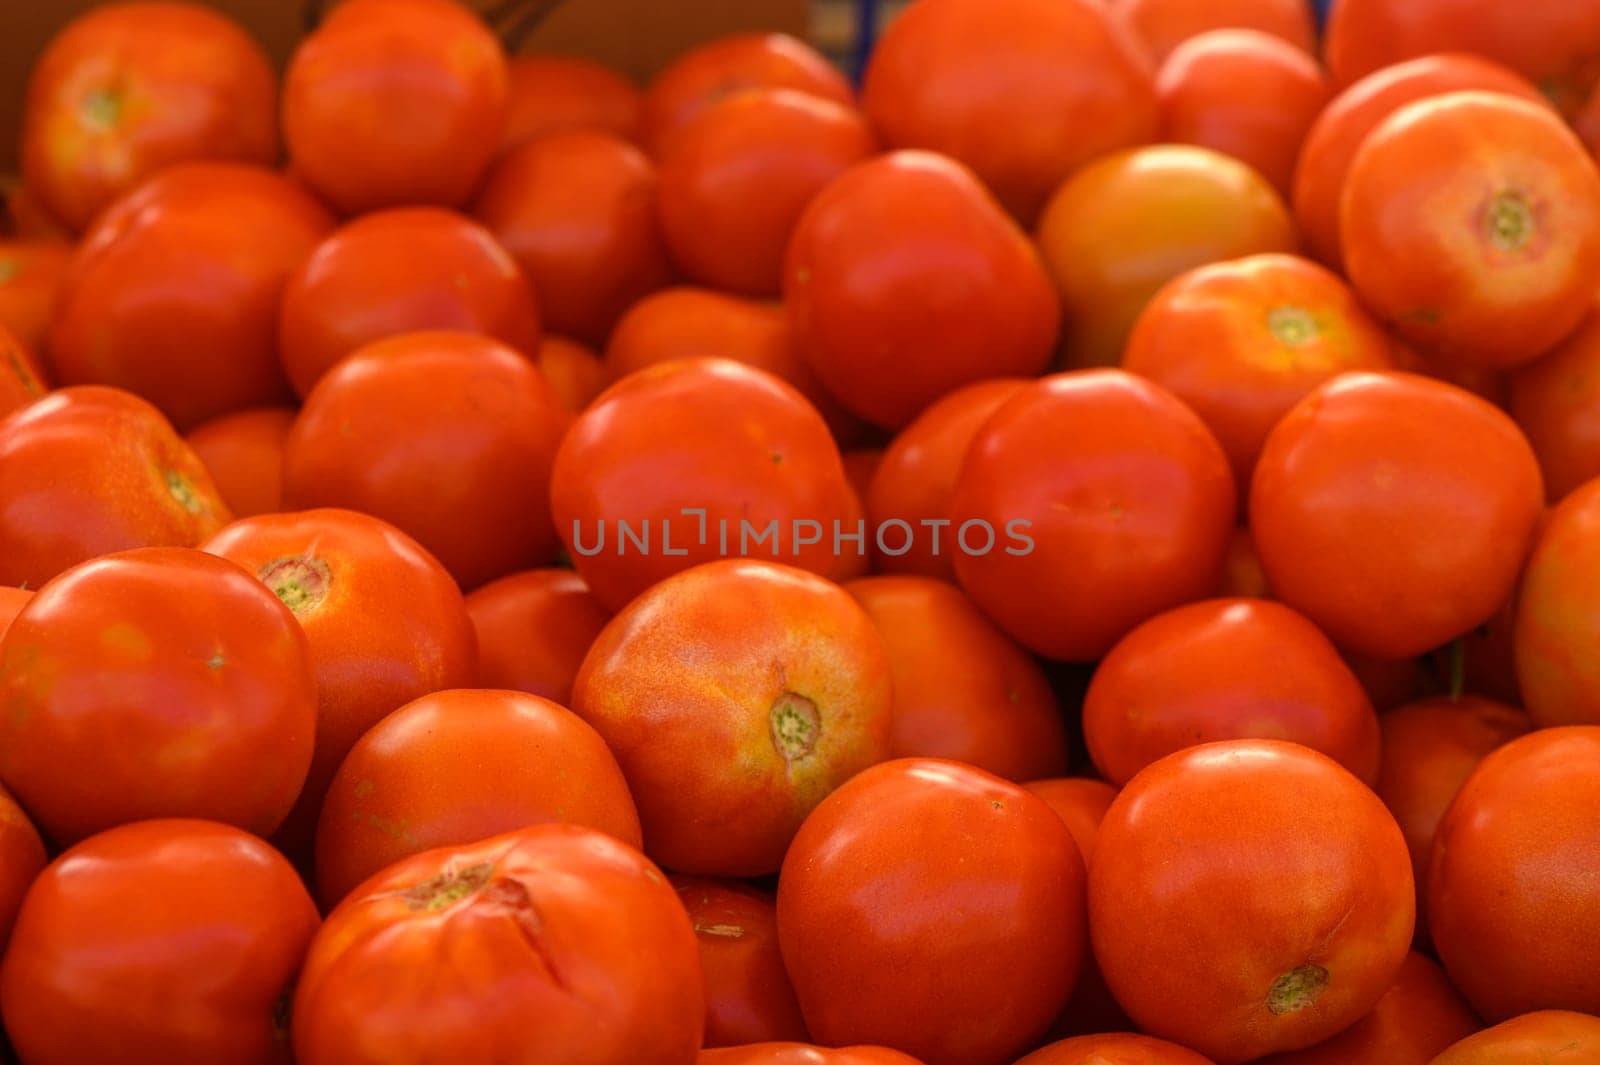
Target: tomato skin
x=1554 y=400
x=802 y=1054
x=243 y=452
x=534 y=629
x=434 y=62
x=135 y=483
x=1394 y=511
x=573 y=370
x=22 y=857
x=1320 y=899
x=1081 y=802
x=905 y=280
x=129 y=89
x=1149 y=513
x=1115 y=1048
x=21 y=378
x=552 y=945
x=165 y=940
x=1165 y=24
x=1540 y=1038
x=1556 y=620
x=31 y=272
x=556 y=93
x=1509 y=901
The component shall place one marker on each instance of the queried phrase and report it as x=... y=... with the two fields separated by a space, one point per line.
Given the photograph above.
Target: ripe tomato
x=1511 y=903
x=174 y=292
x=1471 y=222
x=577 y=210
x=727 y=65
x=125 y=90
x=552 y=945
x=803 y=1054
x=133 y=483
x=1164 y=24
x=243 y=452
x=1548 y=1037
x=31 y=272
x=1101 y=499
x=573 y=370
x=1556 y=401
x=464 y=415
x=556 y=93
x=1244 y=93
x=736 y=694
x=1558 y=615
x=1243 y=341
x=395 y=102
x=1117 y=1048
x=22 y=856
x=860 y=464
x=158 y=682
x=905 y=280
x=1394 y=511
x=1128 y=223
x=21 y=379
x=533 y=630
x=962 y=689
x=1242 y=575
x=401 y=271
x=22 y=216
x=1022 y=91
x=1081 y=802
x=1331 y=144
x=748 y=995
x=1319 y=900
x=166 y=940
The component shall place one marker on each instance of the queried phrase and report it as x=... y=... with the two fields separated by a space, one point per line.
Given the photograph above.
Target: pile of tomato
x=1081 y=549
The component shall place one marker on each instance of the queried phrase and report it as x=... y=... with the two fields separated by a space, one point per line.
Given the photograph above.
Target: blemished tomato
x=1556 y=401
x=904 y=280
x=1164 y=24
x=173 y=293
x=1415 y=1020
x=577 y=210
x=556 y=93
x=384 y=621
x=22 y=857
x=693 y=460
x=738 y=176
x=1429 y=749
x=1471 y=223
x=401 y=271
x=31 y=272
x=1511 y=901
x=803 y=1054
x=1128 y=223
x=395 y=102
x=166 y=940
x=724 y=66
x=1088 y=502
x=471 y=419
x=1558 y=615
x=170 y=681
x=1114 y=1048
x=243 y=452
x=736 y=695
x=1337 y=133
x=1226 y=669
x=1022 y=91
x=458 y=766
x=1249 y=897
x=1243 y=341
x=1394 y=511
x=1547 y=1037
x=133 y=483
x=552 y=945
x=963 y=690
x=573 y=370
x=748 y=995
x=1244 y=93
x=932 y=907
x=533 y=630
x=21 y=378
x=125 y=90
x=1081 y=802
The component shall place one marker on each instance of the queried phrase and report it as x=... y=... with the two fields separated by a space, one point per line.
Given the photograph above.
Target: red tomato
x=1108 y=501
x=726 y=65
x=860 y=464
x=22 y=853
x=31 y=272
x=1394 y=511
x=577 y=210
x=243 y=452
x=803 y=1054
x=174 y=292
x=1222 y=911
x=458 y=766
x=21 y=379
x=463 y=415
x=1331 y=144
x=552 y=945
x=166 y=940
x=748 y=995
x=401 y=271
x=556 y=93
x=1558 y=615
x=533 y=630
x=1022 y=91
x=126 y=90
x=1511 y=900
x=1081 y=802
x=1244 y=93
x=962 y=689
x=1556 y=401
x=395 y=102
x=1116 y=1048
x=90 y=470
x=736 y=694
x=1242 y=575
x=1548 y=1037
x=1471 y=222
x=905 y=280
x=738 y=176
x=1164 y=24
x=24 y=217
x=12 y=600
x=573 y=370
